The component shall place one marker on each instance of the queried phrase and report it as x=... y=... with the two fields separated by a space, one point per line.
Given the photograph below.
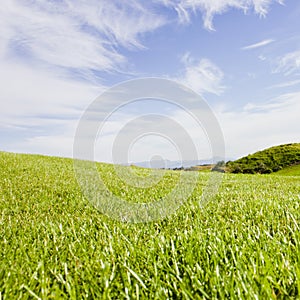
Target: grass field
x=244 y=244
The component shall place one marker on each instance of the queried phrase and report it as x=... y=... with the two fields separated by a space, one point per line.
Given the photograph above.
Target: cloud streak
x=259 y=44
x=285 y=84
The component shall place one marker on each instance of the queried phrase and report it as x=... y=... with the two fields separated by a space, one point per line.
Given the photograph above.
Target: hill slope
x=289 y=171
x=267 y=161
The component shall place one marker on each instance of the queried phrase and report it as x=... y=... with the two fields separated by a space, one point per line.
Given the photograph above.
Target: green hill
x=267 y=161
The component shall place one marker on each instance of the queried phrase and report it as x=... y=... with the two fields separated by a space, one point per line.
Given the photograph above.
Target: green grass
x=290 y=171
x=244 y=244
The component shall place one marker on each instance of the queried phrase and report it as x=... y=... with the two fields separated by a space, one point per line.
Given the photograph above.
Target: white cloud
x=38 y=108
x=203 y=76
x=285 y=84
x=268 y=107
x=56 y=145
x=210 y=8
x=25 y=93
x=288 y=63
x=258 y=45
x=262 y=57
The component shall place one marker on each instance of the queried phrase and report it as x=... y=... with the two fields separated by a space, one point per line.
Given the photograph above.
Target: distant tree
x=236 y=169
x=219 y=166
x=220 y=163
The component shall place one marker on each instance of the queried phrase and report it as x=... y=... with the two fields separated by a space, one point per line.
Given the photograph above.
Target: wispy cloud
x=210 y=8
x=259 y=44
x=202 y=75
x=268 y=107
x=76 y=34
x=288 y=63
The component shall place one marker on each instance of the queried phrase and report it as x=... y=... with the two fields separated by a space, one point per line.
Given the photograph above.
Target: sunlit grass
x=244 y=244
x=289 y=171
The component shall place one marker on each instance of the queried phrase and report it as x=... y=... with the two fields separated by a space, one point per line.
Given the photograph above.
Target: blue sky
x=241 y=56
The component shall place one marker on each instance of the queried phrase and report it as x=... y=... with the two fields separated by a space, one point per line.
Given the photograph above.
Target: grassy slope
x=243 y=244
x=289 y=171
x=267 y=161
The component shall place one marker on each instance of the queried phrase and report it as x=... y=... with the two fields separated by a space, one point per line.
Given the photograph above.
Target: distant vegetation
x=267 y=161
